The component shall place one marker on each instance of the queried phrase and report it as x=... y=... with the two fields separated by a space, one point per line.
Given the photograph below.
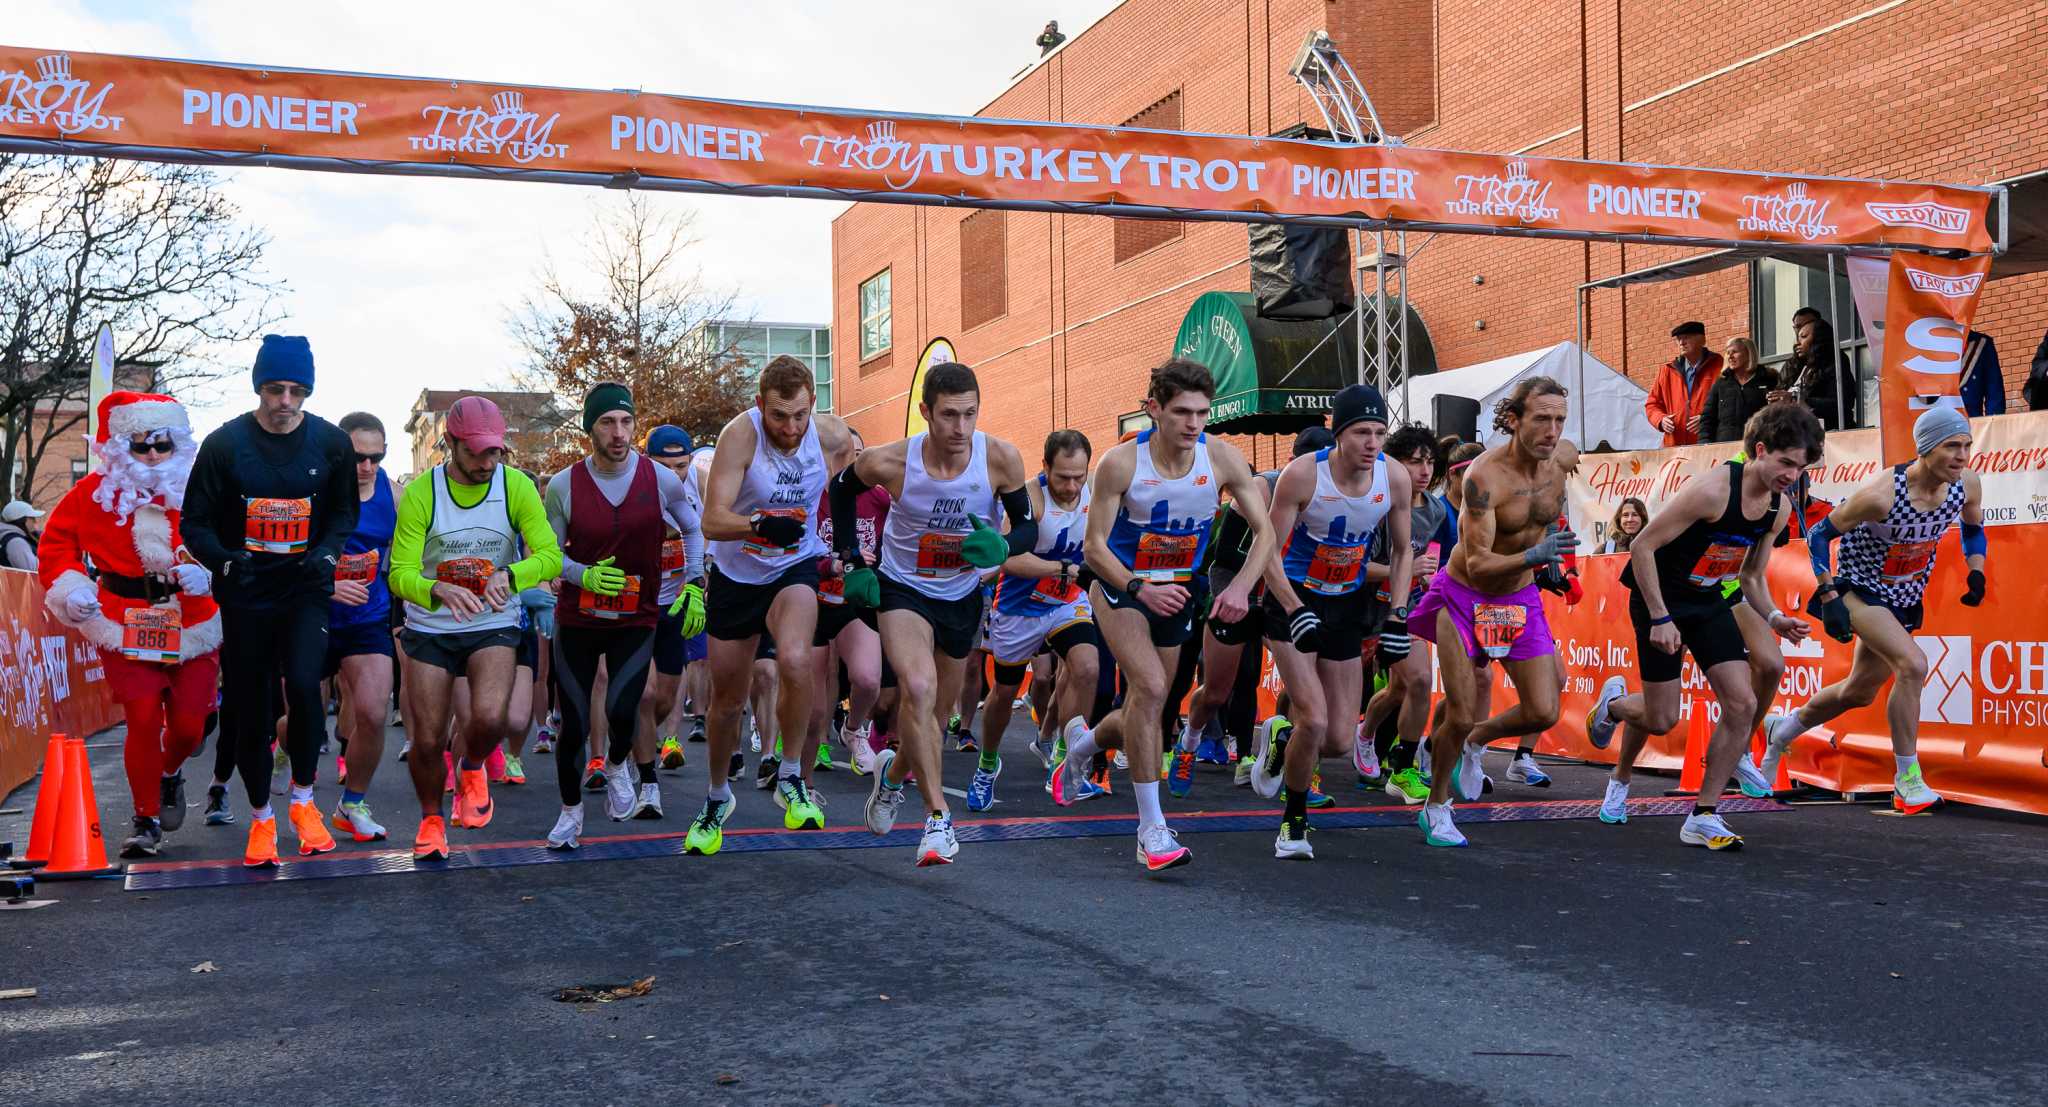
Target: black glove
x=1305 y=630
x=1975 y=594
x=1550 y=577
x=1834 y=615
x=1394 y=640
x=318 y=569
x=238 y=566
x=777 y=530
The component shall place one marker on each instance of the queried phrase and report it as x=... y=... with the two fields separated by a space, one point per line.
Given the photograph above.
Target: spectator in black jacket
x=1742 y=390
x=1815 y=373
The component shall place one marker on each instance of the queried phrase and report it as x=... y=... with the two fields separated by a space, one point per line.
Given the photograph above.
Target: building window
x=1779 y=288
x=78 y=469
x=1136 y=236
x=984 y=284
x=1135 y=421
x=875 y=338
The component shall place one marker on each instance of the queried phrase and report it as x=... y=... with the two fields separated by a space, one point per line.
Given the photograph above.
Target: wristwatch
x=1400 y=613
x=1131 y=587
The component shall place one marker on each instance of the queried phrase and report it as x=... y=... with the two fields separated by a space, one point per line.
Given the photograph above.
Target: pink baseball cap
x=477 y=422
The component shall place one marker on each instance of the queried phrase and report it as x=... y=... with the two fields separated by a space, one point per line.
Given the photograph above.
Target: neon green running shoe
x=799 y=810
x=707 y=830
x=1407 y=786
x=824 y=759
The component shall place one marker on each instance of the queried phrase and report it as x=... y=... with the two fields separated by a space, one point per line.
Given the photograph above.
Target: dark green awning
x=1276 y=376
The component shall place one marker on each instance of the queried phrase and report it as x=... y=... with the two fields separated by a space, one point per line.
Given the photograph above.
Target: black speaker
x=1457 y=415
x=1300 y=272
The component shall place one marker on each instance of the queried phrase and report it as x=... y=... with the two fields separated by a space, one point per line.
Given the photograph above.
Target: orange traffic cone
x=79 y=850
x=1699 y=732
x=49 y=800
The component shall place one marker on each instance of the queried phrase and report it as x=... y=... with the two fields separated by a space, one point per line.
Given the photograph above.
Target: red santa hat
x=124 y=414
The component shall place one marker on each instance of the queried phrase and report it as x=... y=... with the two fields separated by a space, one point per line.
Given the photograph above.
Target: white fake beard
x=127 y=482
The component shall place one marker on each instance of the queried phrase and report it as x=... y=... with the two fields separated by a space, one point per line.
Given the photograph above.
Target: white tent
x=1604 y=404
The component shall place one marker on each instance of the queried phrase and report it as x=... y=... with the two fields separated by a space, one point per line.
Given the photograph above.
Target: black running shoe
x=696 y=728
x=218 y=813
x=171 y=793
x=764 y=775
x=147 y=841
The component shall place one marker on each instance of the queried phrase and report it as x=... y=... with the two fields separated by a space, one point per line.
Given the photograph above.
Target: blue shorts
x=696 y=648
x=671 y=649
x=355 y=640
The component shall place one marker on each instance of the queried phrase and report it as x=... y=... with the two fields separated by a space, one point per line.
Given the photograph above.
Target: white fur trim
x=200 y=639
x=152 y=535
x=146 y=415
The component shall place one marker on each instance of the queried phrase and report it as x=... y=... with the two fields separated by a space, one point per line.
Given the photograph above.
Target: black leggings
x=260 y=646
x=625 y=652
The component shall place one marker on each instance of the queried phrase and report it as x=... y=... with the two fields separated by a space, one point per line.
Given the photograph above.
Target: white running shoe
x=1159 y=848
x=1241 y=775
x=1365 y=757
x=1423 y=757
x=354 y=820
x=939 y=846
x=857 y=748
x=1600 y=722
x=621 y=791
x=1708 y=830
x=882 y=799
x=1123 y=764
x=568 y=832
x=1614 y=806
x=1781 y=729
x=1524 y=770
x=650 y=802
x=1470 y=781
x=1910 y=792
x=1286 y=847
x=1751 y=779
x=1269 y=756
x=1437 y=827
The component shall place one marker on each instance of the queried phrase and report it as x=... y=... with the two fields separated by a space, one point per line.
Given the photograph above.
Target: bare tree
x=154 y=250
x=635 y=316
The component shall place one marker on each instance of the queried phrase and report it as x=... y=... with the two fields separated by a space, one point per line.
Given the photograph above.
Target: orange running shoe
x=311 y=829
x=473 y=799
x=261 y=852
x=593 y=775
x=432 y=843
x=1102 y=781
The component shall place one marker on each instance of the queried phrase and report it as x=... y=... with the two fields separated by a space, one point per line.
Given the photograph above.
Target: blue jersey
x=1060 y=532
x=368 y=549
x=1163 y=523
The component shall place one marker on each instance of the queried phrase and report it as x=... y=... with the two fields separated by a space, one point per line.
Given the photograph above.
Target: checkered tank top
x=1893 y=557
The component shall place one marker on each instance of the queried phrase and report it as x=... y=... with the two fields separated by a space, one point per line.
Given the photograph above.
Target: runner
x=1485 y=601
x=1040 y=605
x=607 y=512
x=359 y=653
x=1890 y=528
x=271 y=501
x=1432 y=531
x=759 y=516
x=1166 y=484
x=1329 y=504
x=151 y=616
x=944 y=484
x=846 y=634
x=455 y=561
x=1717 y=528
x=682 y=615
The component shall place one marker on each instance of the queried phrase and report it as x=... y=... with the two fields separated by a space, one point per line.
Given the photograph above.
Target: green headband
x=605 y=397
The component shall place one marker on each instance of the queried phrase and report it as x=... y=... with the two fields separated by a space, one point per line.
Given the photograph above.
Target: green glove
x=690 y=605
x=603 y=579
x=985 y=548
x=863 y=588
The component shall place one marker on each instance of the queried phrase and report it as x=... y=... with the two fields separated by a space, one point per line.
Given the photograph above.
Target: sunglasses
x=295 y=391
x=374 y=459
x=163 y=447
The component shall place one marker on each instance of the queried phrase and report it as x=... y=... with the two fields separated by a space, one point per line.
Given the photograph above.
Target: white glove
x=193 y=580
x=81 y=604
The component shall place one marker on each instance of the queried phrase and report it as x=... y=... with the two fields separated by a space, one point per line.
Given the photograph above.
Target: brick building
x=535 y=425
x=1063 y=315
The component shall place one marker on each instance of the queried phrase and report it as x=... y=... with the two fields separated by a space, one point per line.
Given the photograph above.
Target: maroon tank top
x=630 y=532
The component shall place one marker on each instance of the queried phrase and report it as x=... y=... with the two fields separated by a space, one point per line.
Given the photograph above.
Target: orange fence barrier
x=50 y=679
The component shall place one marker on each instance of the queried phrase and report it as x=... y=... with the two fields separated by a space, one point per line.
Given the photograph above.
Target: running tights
x=164 y=729
x=625 y=652
x=260 y=646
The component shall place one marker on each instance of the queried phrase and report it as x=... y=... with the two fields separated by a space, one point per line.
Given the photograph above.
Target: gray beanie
x=1937 y=425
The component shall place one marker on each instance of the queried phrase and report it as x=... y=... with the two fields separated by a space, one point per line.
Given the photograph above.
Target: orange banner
x=121 y=106
x=50 y=679
x=1928 y=307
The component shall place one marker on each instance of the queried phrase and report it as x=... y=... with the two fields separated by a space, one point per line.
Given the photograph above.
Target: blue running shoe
x=1212 y=751
x=981 y=791
x=1180 y=776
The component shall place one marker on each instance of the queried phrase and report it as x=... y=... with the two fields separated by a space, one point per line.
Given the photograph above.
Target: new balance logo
x=1950 y=696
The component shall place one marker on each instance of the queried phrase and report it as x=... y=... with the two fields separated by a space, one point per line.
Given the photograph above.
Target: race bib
x=276 y=526
x=1905 y=562
x=672 y=557
x=466 y=572
x=1333 y=569
x=1056 y=590
x=362 y=567
x=625 y=603
x=1416 y=586
x=151 y=634
x=938 y=555
x=1165 y=557
x=1497 y=625
x=1719 y=564
x=832 y=590
x=758 y=549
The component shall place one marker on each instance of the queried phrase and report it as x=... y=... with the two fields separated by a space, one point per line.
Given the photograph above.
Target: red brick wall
x=1946 y=91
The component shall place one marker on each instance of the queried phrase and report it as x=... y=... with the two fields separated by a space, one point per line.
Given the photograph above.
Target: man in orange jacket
x=1680 y=393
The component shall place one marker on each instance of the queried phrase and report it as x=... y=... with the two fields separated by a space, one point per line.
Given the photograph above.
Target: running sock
x=1190 y=738
x=1297 y=805
x=263 y=813
x=988 y=761
x=352 y=797
x=468 y=766
x=790 y=769
x=1906 y=762
x=302 y=793
x=721 y=793
x=1083 y=747
x=646 y=772
x=1149 y=813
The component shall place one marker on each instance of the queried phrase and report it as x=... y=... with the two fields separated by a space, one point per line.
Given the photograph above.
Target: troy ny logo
x=1793 y=213
x=1940 y=285
x=506 y=127
x=1516 y=195
x=1939 y=218
x=880 y=151
x=53 y=97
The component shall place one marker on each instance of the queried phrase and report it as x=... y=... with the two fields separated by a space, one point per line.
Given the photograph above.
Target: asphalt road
x=1842 y=956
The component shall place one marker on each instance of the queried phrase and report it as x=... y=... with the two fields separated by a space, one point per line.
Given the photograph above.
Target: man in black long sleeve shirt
x=271 y=499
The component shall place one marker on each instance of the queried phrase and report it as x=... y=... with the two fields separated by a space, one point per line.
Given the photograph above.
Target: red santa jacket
x=79 y=528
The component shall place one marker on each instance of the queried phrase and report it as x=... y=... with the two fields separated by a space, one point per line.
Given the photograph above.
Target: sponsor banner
x=2010 y=455
x=145 y=107
x=50 y=680
x=1983 y=711
x=1929 y=302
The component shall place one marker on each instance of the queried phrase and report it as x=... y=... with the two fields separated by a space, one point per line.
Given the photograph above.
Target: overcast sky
x=404 y=283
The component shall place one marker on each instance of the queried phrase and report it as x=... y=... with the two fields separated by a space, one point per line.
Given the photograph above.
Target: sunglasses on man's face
x=163 y=447
x=295 y=391
x=374 y=459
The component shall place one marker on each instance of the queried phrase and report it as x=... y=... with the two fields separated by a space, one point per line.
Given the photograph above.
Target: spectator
x=2035 y=391
x=1629 y=520
x=1742 y=390
x=18 y=536
x=1814 y=375
x=1675 y=402
x=1983 y=386
x=1050 y=38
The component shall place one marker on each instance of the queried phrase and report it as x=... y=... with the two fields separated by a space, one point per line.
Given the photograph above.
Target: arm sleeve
x=408 y=541
x=845 y=495
x=1023 y=533
x=543 y=551
x=201 y=511
x=343 y=505
x=1974 y=542
x=1820 y=546
x=557 y=510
